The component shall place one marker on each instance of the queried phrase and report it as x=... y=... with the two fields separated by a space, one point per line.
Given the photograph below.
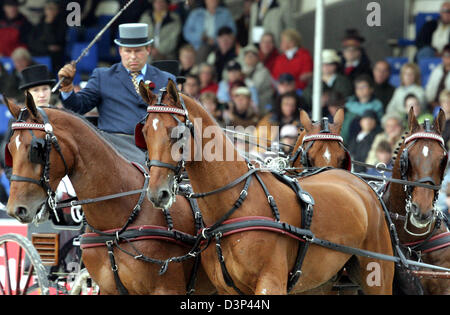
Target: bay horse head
x=32 y=148
x=422 y=158
x=164 y=134
x=320 y=143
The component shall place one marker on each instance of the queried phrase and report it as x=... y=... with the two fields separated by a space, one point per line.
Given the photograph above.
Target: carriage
x=335 y=241
x=43 y=259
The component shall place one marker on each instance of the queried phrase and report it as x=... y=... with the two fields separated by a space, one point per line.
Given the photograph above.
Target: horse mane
x=89 y=125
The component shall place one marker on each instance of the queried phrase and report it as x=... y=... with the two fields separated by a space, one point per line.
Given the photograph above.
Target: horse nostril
x=164 y=195
x=21 y=212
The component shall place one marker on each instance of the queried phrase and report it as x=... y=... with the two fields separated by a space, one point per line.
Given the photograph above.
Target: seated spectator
x=22 y=59
x=267 y=16
x=268 y=51
x=48 y=38
x=355 y=59
x=165 y=29
x=383 y=154
x=240 y=111
x=383 y=90
x=224 y=51
x=439 y=78
x=434 y=34
x=207 y=76
x=331 y=78
x=210 y=102
x=361 y=142
x=288 y=135
x=14 y=28
x=410 y=83
x=260 y=76
x=287 y=112
x=294 y=60
x=393 y=131
x=202 y=26
x=187 y=60
x=6 y=83
x=444 y=102
x=192 y=86
x=235 y=76
x=243 y=24
x=411 y=101
x=364 y=98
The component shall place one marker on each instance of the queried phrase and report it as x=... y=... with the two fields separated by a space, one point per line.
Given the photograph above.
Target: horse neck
x=102 y=172
x=206 y=175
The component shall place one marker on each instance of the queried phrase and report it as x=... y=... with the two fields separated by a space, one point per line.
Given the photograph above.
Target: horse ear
x=14 y=109
x=305 y=120
x=145 y=92
x=29 y=103
x=439 y=122
x=339 y=119
x=412 y=121
x=173 y=91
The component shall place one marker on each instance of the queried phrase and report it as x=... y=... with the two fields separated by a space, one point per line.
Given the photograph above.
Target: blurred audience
x=364 y=98
x=14 y=28
x=165 y=29
x=410 y=83
x=294 y=59
x=208 y=80
x=268 y=51
x=439 y=78
x=383 y=90
x=355 y=60
x=187 y=59
x=224 y=51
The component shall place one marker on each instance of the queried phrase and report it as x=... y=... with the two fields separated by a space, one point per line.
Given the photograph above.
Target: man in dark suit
x=114 y=90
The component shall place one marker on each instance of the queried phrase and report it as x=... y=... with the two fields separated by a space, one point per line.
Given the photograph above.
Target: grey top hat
x=133 y=35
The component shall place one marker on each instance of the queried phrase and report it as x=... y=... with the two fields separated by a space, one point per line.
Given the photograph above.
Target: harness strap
x=120 y=287
x=437 y=242
x=226 y=275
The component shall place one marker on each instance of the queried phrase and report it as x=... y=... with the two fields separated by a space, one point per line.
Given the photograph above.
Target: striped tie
x=134 y=76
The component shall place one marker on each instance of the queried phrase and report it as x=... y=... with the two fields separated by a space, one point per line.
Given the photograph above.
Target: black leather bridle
x=404 y=167
x=39 y=154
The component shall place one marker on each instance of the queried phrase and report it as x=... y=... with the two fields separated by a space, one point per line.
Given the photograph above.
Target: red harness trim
x=253 y=228
x=135 y=239
x=436 y=237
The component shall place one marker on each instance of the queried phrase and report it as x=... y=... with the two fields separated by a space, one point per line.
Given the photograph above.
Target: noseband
x=404 y=167
x=39 y=154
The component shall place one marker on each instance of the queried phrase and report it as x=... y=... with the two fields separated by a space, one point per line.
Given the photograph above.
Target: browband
x=425 y=135
x=166 y=110
x=323 y=137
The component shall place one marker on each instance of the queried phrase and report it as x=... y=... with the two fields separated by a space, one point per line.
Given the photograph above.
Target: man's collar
x=291 y=53
x=143 y=70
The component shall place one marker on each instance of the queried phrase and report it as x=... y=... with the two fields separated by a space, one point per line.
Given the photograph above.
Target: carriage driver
x=115 y=90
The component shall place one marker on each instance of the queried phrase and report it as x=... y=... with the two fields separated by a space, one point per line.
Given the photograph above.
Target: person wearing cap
x=360 y=143
x=164 y=27
x=434 y=34
x=439 y=79
x=332 y=79
x=14 y=28
x=235 y=76
x=115 y=90
x=241 y=112
x=260 y=76
x=223 y=52
x=355 y=59
x=294 y=59
x=288 y=135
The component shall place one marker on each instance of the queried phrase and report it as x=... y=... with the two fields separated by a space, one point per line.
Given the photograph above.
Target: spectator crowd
x=252 y=69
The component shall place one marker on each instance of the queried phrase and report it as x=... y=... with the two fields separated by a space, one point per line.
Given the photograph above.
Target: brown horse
x=421 y=158
x=320 y=144
x=258 y=261
x=96 y=169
